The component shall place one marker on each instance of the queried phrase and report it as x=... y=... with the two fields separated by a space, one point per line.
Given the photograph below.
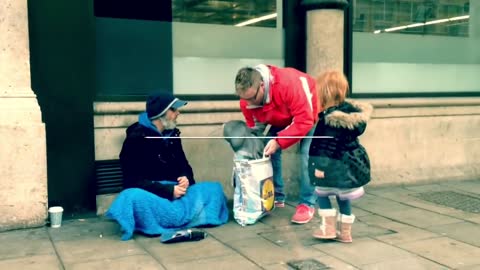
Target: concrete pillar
x=23 y=171
x=325 y=34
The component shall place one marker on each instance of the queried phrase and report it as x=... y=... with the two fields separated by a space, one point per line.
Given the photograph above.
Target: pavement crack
x=62 y=265
x=158 y=260
x=237 y=251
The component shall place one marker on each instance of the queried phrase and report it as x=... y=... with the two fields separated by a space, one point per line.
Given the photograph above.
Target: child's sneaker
x=279 y=204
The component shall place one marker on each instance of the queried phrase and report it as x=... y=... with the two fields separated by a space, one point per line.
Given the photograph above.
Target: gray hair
x=246 y=78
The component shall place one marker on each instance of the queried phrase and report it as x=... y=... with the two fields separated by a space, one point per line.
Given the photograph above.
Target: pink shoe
x=303 y=214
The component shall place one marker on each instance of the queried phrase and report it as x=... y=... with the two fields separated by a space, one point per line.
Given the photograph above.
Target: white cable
x=241 y=137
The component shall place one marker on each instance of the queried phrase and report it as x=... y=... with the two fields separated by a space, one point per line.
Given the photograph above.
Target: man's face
x=254 y=94
x=170 y=120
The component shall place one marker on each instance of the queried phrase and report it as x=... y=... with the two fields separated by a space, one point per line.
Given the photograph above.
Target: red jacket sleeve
x=301 y=98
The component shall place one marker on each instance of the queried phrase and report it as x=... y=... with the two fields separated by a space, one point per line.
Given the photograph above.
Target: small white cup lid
x=55 y=209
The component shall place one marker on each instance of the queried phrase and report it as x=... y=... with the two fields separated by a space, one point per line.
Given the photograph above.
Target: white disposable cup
x=55 y=216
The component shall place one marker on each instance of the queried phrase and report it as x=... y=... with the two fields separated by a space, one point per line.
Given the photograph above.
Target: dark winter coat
x=342 y=159
x=145 y=161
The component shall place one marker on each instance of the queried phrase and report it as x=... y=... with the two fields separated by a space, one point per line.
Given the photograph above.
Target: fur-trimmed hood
x=349 y=114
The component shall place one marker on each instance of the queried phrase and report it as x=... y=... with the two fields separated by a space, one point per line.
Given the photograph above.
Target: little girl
x=338 y=166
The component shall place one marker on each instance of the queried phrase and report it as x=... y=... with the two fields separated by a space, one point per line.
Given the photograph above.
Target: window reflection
x=226 y=12
x=424 y=17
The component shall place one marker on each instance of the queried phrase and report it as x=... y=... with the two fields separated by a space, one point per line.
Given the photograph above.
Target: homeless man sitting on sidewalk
x=160 y=192
x=147 y=161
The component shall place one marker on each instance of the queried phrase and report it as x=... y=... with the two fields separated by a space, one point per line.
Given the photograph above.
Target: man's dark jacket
x=145 y=161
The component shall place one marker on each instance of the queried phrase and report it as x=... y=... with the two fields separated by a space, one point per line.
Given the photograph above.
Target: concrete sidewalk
x=433 y=226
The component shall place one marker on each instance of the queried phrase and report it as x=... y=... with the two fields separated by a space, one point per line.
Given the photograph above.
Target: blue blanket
x=138 y=210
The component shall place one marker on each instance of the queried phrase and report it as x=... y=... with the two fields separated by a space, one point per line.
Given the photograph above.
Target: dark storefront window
x=213 y=39
x=416 y=47
x=260 y=13
x=182 y=45
x=430 y=17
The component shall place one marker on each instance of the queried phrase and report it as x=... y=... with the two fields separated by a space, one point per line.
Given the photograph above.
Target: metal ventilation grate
x=308 y=264
x=452 y=199
x=109 y=177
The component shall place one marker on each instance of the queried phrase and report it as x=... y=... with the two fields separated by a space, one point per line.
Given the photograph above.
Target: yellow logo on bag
x=268 y=195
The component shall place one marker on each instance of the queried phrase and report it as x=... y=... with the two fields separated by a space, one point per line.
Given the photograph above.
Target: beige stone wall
x=23 y=172
x=409 y=140
x=419 y=140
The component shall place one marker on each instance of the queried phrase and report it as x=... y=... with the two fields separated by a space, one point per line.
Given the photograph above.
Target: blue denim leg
x=306 y=189
x=344 y=207
x=324 y=202
x=276 y=159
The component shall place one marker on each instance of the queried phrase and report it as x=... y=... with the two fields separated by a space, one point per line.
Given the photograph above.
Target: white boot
x=328 y=228
x=344 y=233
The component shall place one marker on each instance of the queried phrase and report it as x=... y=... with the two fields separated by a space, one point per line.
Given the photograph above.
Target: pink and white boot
x=328 y=227
x=344 y=233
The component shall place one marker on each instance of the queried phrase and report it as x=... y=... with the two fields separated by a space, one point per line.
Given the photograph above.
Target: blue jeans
x=306 y=189
x=344 y=206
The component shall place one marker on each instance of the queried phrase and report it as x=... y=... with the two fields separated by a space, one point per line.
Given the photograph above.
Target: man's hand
x=271 y=147
x=178 y=191
x=183 y=181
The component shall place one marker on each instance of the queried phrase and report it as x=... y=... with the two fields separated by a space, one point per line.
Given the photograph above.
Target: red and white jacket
x=290 y=102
